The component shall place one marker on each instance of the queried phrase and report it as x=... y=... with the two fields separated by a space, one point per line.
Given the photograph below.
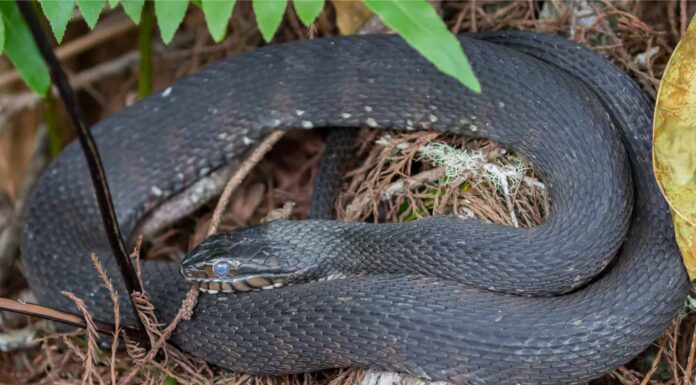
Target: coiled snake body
x=447 y=298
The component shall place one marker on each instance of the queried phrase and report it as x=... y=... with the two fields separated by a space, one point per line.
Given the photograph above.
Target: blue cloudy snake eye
x=221 y=268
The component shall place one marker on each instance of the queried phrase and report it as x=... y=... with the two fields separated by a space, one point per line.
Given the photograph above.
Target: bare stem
x=89 y=147
x=50 y=116
x=145 y=48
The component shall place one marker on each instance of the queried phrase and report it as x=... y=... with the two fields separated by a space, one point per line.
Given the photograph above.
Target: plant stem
x=89 y=147
x=50 y=114
x=48 y=102
x=145 y=48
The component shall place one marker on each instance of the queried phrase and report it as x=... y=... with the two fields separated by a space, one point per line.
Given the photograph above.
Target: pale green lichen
x=463 y=164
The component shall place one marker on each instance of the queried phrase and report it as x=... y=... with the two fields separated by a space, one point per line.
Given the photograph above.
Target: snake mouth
x=239 y=283
x=241 y=261
x=234 y=277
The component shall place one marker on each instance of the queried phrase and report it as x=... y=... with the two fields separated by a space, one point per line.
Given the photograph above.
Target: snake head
x=244 y=260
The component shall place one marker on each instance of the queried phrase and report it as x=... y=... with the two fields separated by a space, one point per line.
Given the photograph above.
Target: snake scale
x=443 y=298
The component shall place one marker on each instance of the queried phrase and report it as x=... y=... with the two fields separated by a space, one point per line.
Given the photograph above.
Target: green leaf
x=58 y=13
x=269 y=14
x=170 y=14
x=308 y=10
x=2 y=35
x=22 y=50
x=418 y=23
x=113 y=3
x=133 y=9
x=217 y=13
x=90 y=10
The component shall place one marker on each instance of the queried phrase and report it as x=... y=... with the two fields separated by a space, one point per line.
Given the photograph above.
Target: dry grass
x=395 y=182
x=390 y=181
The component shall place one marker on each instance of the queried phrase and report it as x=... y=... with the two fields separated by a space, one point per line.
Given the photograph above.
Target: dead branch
x=70 y=319
x=11 y=105
x=239 y=176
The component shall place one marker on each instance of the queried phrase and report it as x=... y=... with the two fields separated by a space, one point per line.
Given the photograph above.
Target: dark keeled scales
x=429 y=326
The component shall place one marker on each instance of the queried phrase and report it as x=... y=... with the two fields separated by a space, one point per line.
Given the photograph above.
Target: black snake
x=443 y=298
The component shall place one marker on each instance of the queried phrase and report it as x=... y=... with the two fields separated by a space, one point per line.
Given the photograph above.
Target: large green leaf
x=418 y=23
x=269 y=14
x=217 y=13
x=22 y=50
x=90 y=10
x=2 y=35
x=58 y=13
x=308 y=10
x=133 y=8
x=170 y=14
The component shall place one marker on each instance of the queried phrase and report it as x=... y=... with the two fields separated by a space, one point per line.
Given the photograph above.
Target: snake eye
x=221 y=268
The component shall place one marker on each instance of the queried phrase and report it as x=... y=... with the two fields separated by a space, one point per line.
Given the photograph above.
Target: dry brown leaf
x=350 y=15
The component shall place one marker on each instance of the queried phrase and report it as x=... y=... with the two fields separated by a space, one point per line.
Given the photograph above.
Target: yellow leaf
x=350 y=15
x=674 y=129
x=686 y=239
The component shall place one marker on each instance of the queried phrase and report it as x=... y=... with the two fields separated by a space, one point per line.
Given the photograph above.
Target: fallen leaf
x=674 y=128
x=350 y=15
x=686 y=239
x=674 y=143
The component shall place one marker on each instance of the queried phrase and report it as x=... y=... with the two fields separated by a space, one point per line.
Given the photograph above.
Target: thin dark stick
x=66 y=318
x=89 y=147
